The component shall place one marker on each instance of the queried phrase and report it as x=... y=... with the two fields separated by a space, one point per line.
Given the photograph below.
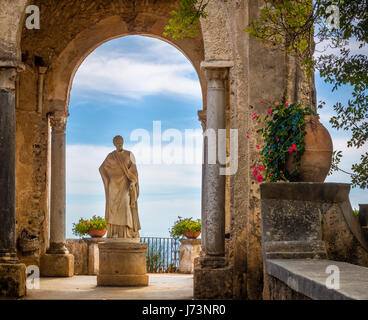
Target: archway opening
x=147 y=91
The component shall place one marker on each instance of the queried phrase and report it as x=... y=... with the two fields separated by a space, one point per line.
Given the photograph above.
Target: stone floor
x=161 y=286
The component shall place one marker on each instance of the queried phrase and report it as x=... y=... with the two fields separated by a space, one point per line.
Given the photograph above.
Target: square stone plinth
x=12 y=280
x=57 y=265
x=189 y=250
x=213 y=279
x=122 y=263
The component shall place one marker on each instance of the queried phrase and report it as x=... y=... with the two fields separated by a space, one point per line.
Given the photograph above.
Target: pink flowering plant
x=283 y=134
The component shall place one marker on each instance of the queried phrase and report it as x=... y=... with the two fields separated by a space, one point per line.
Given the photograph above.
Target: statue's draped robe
x=118 y=172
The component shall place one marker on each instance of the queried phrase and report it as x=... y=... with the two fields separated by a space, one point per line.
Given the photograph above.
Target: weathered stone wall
x=258 y=73
x=32 y=167
x=275 y=289
x=86 y=255
x=12 y=14
x=343 y=235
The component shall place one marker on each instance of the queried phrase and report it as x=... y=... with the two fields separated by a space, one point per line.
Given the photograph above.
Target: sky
x=135 y=86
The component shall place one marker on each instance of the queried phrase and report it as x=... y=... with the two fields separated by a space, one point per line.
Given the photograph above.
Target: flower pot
x=192 y=235
x=316 y=160
x=97 y=233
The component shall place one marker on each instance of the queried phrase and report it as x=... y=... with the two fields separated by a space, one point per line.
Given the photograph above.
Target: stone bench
x=308 y=277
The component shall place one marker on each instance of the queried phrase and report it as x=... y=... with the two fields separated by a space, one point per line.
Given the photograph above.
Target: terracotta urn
x=97 y=233
x=316 y=160
x=192 y=235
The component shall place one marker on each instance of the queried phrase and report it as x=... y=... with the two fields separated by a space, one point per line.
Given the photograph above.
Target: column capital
x=216 y=70
x=215 y=74
x=58 y=121
x=202 y=117
x=8 y=75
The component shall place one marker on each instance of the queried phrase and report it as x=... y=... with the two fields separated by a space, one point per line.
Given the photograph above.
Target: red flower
x=269 y=111
x=254 y=116
x=258 y=147
x=260 y=178
x=261 y=167
x=255 y=172
x=277 y=138
x=286 y=104
x=292 y=148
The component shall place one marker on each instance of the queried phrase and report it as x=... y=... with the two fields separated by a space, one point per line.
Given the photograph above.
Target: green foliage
x=154 y=260
x=286 y=24
x=185 y=23
x=183 y=225
x=346 y=68
x=84 y=226
x=283 y=134
x=336 y=159
x=356 y=212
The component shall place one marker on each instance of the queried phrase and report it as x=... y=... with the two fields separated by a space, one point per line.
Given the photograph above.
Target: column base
x=13 y=280
x=57 y=265
x=122 y=263
x=213 y=278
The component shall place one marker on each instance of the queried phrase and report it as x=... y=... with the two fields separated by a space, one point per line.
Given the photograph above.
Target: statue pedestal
x=188 y=251
x=122 y=263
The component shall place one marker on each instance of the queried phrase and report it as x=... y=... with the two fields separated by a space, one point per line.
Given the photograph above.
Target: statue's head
x=118 y=142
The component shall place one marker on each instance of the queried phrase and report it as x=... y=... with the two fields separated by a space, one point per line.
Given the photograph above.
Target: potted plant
x=96 y=227
x=296 y=145
x=187 y=227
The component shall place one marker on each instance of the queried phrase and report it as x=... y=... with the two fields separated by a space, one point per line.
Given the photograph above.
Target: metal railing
x=162 y=254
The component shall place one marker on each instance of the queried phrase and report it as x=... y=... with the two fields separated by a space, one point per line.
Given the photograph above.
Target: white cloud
x=83 y=177
x=140 y=74
x=325 y=48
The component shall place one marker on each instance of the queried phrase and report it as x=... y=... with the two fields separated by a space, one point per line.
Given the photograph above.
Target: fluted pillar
x=12 y=273
x=57 y=262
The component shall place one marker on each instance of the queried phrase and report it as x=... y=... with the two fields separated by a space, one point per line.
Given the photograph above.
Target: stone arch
x=70 y=30
x=62 y=71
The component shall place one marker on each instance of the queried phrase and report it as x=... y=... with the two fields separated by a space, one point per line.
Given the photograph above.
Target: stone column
x=212 y=273
x=57 y=261
x=58 y=180
x=202 y=118
x=215 y=182
x=12 y=273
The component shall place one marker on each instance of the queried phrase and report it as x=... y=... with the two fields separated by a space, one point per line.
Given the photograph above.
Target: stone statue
x=120 y=178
